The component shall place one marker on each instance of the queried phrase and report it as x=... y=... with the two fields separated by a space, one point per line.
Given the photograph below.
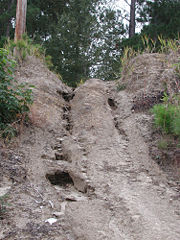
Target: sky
x=122 y=4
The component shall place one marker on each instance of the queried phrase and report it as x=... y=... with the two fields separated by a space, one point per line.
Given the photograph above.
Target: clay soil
x=83 y=170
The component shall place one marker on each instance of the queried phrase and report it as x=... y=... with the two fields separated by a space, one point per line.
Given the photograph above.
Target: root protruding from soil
x=60 y=178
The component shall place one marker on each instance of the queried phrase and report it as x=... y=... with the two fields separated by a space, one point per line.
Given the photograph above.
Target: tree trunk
x=20 y=19
x=132 y=22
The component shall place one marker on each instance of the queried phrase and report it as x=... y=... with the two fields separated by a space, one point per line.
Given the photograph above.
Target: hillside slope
x=82 y=169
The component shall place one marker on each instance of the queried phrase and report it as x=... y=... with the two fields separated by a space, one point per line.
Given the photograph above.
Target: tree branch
x=127 y=3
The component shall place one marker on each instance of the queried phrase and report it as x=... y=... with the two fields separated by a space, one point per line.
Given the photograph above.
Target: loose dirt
x=82 y=169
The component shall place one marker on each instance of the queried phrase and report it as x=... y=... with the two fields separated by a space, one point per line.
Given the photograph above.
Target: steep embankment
x=85 y=164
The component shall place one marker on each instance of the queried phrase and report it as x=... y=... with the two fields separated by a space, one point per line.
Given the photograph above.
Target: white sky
x=121 y=4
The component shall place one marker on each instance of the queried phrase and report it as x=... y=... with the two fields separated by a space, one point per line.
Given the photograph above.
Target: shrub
x=167 y=118
x=176 y=124
x=164 y=115
x=14 y=99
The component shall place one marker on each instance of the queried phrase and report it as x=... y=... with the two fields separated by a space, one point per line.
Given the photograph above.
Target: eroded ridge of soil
x=91 y=173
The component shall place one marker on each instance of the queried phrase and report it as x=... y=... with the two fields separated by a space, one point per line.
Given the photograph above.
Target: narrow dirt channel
x=130 y=199
x=90 y=176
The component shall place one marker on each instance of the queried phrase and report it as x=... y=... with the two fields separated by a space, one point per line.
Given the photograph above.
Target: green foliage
x=106 y=54
x=25 y=47
x=159 y=18
x=7 y=13
x=164 y=16
x=177 y=69
x=14 y=99
x=72 y=40
x=167 y=118
x=176 y=123
x=148 y=45
x=164 y=116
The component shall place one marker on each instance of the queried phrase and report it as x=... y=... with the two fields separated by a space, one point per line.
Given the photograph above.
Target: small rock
x=4 y=190
x=51 y=220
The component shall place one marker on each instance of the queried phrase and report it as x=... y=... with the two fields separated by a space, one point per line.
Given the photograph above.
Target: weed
x=164 y=116
x=149 y=46
x=25 y=47
x=176 y=124
x=128 y=54
x=163 y=144
x=3 y=205
x=48 y=61
x=81 y=82
x=167 y=115
x=168 y=44
x=121 y=87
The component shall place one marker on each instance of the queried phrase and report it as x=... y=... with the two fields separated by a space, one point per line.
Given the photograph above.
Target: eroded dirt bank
x=88 y=170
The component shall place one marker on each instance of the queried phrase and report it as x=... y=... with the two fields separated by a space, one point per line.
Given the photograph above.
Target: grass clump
x=26 y=47
x=167 y=116
x=15 y=98
x=121 y=87
x=148 y=45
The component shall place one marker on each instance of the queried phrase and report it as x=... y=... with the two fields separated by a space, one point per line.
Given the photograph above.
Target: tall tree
x=7 y=14
x=132 y=22
x=163 y=17
x=84 y=40
x=106 y=53
x=20 y=19
x=79 y=35
x=10 y=5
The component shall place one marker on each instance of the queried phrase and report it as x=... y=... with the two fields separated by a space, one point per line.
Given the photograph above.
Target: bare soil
x=83 y=170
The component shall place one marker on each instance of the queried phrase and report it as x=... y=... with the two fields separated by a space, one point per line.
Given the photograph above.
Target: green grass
x=26 y=47
x=167 y=117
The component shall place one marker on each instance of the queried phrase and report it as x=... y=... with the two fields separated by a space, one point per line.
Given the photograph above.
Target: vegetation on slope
x=14 y=98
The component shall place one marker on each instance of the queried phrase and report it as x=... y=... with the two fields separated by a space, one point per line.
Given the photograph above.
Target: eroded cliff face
x=82 y=169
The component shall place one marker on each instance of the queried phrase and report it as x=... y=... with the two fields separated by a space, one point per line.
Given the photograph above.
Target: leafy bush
x=14 y=99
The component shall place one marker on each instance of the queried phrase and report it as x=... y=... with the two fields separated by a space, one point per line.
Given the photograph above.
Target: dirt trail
x=92 y=175
x=131 y=199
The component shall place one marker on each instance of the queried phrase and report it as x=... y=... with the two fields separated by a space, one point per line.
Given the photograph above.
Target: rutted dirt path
x=131 y=198
x=91 y=176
